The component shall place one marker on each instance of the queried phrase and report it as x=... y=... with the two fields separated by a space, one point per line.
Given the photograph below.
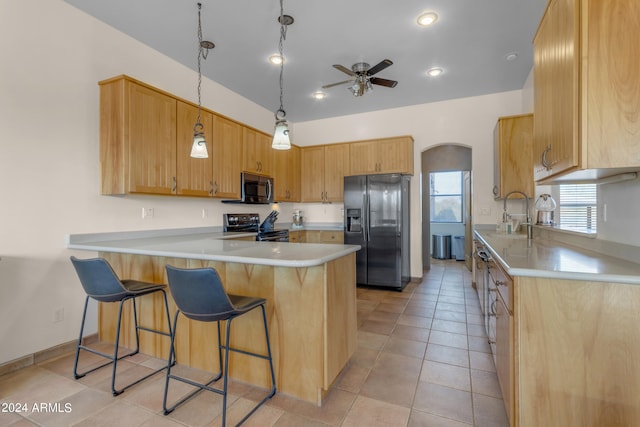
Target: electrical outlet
x=58 y=315
x=147 y=213
x=205 y=213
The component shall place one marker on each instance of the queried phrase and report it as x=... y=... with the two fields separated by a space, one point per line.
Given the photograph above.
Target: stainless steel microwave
x=256 y=189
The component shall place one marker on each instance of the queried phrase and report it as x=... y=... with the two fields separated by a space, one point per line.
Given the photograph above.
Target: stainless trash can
x=458 y=248
x=441 y=246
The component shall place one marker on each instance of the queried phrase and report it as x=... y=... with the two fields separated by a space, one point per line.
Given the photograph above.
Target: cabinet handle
x=175 y=185
x=493 y=308
x=495 y=190
x=500 y=283
x=490 y=341
x=211 y=192
x=547 y=164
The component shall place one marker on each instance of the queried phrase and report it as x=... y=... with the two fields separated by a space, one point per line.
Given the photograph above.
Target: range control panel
x=241 y=222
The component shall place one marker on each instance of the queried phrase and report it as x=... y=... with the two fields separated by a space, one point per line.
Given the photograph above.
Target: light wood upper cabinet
x=287 y=175
x=513 y=163
x=323 y=170
x=257 y=152
x=586 y=69
x=336 y=167
x=137 y=139
x=227 y=158
x=386 y=155
x=194 y=175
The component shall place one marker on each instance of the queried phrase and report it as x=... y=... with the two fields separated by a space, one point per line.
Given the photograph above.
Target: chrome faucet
x=505 y=214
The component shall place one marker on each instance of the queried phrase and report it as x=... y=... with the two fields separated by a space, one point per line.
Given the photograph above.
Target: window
x=446 y=196
x=578 y=207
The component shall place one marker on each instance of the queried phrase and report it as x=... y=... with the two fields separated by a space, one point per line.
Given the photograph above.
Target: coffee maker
x=545 y=205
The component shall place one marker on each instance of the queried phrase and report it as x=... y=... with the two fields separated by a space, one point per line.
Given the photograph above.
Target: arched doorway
x=445 y=158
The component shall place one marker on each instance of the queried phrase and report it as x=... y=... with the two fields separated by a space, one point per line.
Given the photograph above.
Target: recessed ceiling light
x=427 y=19
x=275 y=59
x=511 y=56
x=319 y=95
x=434 y=72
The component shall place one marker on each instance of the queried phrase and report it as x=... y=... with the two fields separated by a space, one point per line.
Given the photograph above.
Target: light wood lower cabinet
x=311 y=313
x=324 y=236
x=568 y=353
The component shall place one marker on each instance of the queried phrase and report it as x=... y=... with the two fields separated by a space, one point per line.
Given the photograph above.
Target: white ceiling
x=469 y=41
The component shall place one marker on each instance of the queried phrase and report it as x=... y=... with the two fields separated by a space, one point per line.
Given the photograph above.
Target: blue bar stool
x=200 y=296
x=102 y=284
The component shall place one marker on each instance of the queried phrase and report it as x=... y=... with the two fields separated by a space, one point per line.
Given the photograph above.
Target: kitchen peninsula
x=310 y=291
x=563 y=327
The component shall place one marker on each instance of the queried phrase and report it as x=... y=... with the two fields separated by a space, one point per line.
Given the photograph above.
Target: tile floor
x=422 y=360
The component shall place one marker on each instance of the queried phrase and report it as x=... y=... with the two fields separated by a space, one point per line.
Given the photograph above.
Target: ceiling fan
x=362 y=77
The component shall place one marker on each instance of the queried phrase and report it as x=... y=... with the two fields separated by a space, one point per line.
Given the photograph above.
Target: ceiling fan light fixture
x=427 y=18
x=435 y=72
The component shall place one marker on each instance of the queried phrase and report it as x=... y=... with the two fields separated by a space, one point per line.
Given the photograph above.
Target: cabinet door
x=556 y=79
x=286 y=174
x=194 y=176
x=336 y=166
x=152 y=141
x=363 y=158
x=395 y=155
x=312 y=173
x=612 y=92
x=294 y=175
x=513 y=152
x=504 y=355
x=227 y=158
x=257 y=152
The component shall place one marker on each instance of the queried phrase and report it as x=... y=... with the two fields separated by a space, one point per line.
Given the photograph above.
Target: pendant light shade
x=199 y=146
x=281 y=138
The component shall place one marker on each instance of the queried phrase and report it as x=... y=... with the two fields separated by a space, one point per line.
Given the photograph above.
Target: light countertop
x=208 y=243
x=553 y=259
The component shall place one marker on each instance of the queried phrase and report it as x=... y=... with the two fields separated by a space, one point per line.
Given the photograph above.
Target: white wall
x=53 y=55
x=466 y=121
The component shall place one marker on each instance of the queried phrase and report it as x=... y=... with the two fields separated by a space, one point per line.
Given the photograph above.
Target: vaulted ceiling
x=471 y=42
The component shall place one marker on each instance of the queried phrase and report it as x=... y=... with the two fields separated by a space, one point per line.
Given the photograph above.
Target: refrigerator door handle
x=365 y=204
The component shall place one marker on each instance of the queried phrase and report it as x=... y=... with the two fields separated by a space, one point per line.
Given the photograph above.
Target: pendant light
x=199 y=146
x=281 y=140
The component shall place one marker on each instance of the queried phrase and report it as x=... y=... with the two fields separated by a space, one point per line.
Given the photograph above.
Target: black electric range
x=250 y=223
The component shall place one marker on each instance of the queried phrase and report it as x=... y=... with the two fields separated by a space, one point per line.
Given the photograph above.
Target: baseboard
x=44 y=355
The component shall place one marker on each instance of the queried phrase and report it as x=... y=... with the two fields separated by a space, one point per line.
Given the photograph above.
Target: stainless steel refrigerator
x=376 y=217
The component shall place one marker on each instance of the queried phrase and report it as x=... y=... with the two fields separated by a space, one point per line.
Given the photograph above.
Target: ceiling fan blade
x=344 y=69
x=379 y=67
x=336 y=84
x=383 y=82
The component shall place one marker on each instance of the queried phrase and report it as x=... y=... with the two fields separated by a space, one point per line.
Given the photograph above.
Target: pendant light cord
x=283 y=36
x=202 y=53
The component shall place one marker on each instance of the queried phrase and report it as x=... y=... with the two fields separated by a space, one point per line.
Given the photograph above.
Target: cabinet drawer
x=504 y=285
